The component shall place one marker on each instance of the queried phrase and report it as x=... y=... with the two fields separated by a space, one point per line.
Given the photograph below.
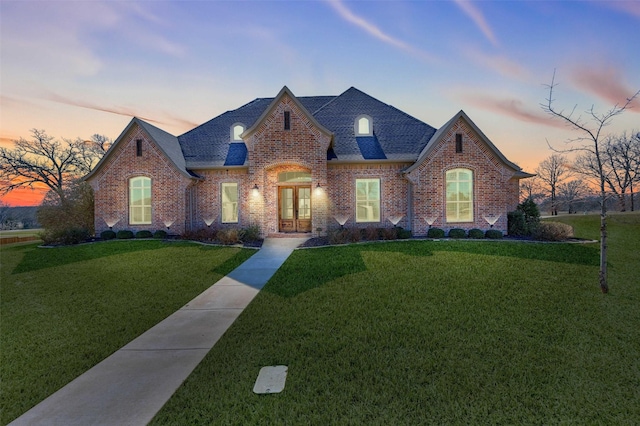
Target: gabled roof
x=166 y=142
x=285 y=91
x=397 y=135
x=442 y=131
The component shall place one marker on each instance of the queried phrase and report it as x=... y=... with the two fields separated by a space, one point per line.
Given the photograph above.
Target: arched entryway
x=294 y=201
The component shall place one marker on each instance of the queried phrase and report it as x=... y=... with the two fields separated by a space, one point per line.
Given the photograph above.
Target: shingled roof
x=396 y=135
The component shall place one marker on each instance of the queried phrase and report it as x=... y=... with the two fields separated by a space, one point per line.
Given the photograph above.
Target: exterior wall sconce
x=318 y=185
x=255 y=191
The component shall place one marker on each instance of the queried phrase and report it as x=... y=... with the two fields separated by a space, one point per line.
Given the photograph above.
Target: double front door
x=294 y=208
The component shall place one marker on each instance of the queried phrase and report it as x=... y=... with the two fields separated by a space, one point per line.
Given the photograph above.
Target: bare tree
x=552 y=171
x=620 y=165
x=42 y=160
x=531 y=189
x=571 y=192
x=589 y=140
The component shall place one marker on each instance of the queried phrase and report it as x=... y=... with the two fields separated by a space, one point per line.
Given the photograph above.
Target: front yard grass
x=63 y=310
x=436 y=332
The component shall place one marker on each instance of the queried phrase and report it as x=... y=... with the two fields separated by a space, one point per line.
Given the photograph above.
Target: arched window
x=140 y=200
x=236 y=130
x=363 y=125
x=459 y=187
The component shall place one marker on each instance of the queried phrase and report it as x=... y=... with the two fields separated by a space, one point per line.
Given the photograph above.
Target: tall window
x=367 y=200
x=459 y=195
x=140 y=201
x=230 y=202
x=287 y=120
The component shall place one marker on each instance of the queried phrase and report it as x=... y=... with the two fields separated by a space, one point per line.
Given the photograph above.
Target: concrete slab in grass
x=271 y=379
x=226 y=294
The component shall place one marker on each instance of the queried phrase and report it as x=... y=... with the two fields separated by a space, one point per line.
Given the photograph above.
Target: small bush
x=339 y=236
x=389 y=233
x=144 y=234
x=107 y=235
x=404 y=234
x=124 y=234
x=202 y=234
x=435 y=233
x=553 y=231
x=65 y=236
x=160 y=234
x=371 y=233
x=493 y=234
x=230 y=236
x=252 y=233
x=355 y=235
x=457 y=233
x=476 y=234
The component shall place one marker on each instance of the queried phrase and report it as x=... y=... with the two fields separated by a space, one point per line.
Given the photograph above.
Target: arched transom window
x=459 y=187
x=363 y=126
x=236 y=130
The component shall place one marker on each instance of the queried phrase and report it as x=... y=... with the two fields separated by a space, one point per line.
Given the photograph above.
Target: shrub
x=389 y=233
x=516 y=225
x=476 y=234
x=339 y=236
x=435 y=233
x=553 y=231
x=230 y=236
x=202 y=234
x=144 y=234
x=371 y=233
x=355 y=235
x=457 y=233
x=124 y=234
x=493 y=234
x=404 y=234
x=107 y=235
x=252 y=233
x=160 y=234
x=65 y=236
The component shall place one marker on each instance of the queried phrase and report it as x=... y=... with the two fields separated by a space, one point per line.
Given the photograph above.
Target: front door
x=294 y=208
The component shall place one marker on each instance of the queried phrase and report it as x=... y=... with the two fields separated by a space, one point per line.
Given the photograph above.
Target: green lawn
x=441 y=332
x=65 y=309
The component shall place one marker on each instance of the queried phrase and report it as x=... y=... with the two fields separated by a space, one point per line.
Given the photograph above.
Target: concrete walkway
x=132 y=385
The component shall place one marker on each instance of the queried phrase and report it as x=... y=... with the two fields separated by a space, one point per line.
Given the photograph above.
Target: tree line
x=572 y=186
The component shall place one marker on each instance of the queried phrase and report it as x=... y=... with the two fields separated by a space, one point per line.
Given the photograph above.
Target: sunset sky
x=75 y=68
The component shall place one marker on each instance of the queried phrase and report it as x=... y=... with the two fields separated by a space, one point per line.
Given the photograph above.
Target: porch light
x=318 y=185
x=255 y=190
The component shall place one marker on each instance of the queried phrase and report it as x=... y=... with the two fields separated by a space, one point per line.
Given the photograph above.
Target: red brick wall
x=111 y=186
x=272 y=150
x=495 y=190
x=342 y=193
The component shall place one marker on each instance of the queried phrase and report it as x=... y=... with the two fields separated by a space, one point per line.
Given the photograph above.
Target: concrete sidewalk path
x=132 y=385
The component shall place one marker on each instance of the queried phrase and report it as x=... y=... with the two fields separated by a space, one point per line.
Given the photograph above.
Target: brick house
x=306 y=164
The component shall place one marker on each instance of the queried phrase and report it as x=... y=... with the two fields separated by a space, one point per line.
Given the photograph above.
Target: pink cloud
x=478 y=18
x=607 y=83
x=628 y=6
x=499 y=63
x=513 y=108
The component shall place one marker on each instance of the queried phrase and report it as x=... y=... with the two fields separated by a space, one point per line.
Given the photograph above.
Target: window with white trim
x=367 y=200
x=363 y=126
x=140 y=200
x=459 y=187
x=229 y=202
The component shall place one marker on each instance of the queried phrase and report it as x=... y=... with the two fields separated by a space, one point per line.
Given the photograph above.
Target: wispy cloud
x=373 y=30
x=607 y=83
x=169 y=119
x=499 y=63
x=511 y=107
x=630 y=7
x=478 y=18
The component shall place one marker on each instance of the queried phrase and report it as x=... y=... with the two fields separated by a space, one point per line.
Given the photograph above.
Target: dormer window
x=237 y=130
x=363 y=126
